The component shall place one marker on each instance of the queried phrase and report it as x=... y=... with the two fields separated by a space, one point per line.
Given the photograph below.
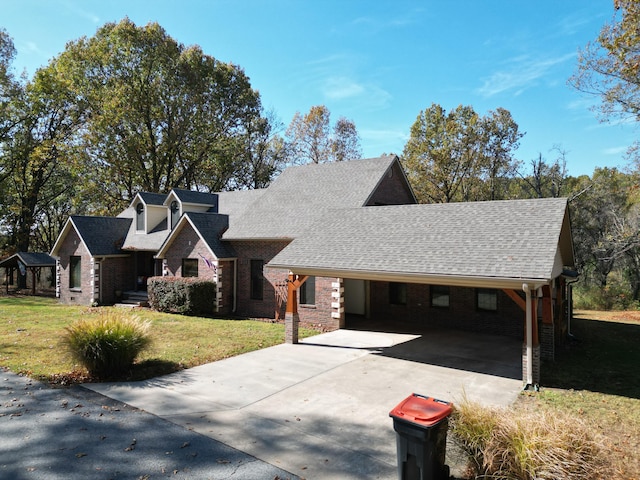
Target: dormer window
x=140 y=217
x=175 y=213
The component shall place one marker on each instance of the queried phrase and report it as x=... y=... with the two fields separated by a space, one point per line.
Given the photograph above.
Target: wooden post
x=291 y=317
x=33 y=280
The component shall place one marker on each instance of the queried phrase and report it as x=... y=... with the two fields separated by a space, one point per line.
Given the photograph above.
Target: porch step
x=134 y=299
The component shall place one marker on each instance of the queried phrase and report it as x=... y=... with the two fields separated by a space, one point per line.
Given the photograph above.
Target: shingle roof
x=236 y=202
x=102 y=235
x=302 y=193
x=210 y=226
x=152 y=198
x=29 y=259
x=199 y=198
x=500 y=239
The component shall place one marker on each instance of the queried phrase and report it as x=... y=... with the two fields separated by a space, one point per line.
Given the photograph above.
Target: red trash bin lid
x=422 y=410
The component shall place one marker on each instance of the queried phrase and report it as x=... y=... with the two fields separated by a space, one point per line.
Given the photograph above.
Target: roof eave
x=430 y=279
x=257 y=239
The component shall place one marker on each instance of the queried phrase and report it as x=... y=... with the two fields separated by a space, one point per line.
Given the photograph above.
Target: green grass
x=32 y=328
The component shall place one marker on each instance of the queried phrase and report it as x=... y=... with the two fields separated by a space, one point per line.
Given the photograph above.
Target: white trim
x=423 y=278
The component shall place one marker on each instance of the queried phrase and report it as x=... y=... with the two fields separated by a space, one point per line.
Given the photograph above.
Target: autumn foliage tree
x=459 y=155
x=609 y=67
x=311 y=138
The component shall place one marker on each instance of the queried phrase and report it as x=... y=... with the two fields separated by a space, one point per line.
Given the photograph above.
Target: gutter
x=421 y=278
x=235 y=285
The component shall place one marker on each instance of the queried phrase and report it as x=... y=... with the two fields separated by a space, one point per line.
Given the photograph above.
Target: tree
x=603 y=223
x=460 y=156
x=264 y=154
x=346 y=143
x=159 y=115
x=36 y=154
x=310 y=138
x=9 y=89
x=610 y=66
x=544 y=179
x=500 y=138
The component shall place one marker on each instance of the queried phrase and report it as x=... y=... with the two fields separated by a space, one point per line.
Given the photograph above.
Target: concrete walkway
x=320 y=409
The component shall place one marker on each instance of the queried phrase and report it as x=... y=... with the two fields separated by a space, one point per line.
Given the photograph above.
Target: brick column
x=337 y=302
x=548 y=342
x=536 y=364
x=218 y=279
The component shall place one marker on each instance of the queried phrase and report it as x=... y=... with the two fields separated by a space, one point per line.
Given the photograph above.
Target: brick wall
x=257 y=250
x=73 y=246
x=188 y=244
x=320 y=313
x=462 y=312
x=393 y=189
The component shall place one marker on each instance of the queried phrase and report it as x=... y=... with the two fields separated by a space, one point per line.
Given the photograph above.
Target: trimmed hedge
x=188 y=296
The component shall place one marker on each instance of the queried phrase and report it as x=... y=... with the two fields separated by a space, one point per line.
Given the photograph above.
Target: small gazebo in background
x=17 y=266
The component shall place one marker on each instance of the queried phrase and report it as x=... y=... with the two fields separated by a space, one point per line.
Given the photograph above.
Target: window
x=398 y=293
x=175 y=213
x=487 y=299
x=140 y=217
x=189 y=267
x=308 y=292
x=257 y=279
x=75 y=272
x=440 y=296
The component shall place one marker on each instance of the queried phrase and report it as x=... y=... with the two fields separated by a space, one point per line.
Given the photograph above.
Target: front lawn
x=31 y=329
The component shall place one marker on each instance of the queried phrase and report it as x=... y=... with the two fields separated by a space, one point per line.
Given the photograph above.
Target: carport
x=520 y=247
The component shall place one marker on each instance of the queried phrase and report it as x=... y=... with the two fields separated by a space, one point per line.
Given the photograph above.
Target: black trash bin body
x=421 y=425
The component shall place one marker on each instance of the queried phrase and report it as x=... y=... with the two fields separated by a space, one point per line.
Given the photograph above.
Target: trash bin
x=421 y=425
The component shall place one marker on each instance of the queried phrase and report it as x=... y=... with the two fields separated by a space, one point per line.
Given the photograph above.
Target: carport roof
x=499 y=243
x=29 y=259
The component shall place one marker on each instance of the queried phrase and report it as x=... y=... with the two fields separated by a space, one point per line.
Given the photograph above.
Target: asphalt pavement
x=76 y=434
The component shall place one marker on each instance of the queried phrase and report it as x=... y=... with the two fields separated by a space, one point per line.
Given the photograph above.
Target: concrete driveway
x=320 y=409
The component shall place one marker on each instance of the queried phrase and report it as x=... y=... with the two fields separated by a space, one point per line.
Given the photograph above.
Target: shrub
x=191 y=296
x=530 y=444
x=107 y=345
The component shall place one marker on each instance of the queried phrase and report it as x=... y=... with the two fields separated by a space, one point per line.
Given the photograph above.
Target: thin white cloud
x=616 y=151
x=81 y=12
x=345 y=87
x=379 y=141
x=339 y=88
x=521 y=73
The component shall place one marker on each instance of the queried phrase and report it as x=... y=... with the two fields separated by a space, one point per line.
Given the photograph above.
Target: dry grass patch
x=527 y=444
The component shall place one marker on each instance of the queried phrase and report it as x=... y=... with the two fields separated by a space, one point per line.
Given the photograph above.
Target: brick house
x=333 y=243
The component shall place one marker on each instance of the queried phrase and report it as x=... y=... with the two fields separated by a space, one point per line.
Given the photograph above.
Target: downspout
x=570 y=306
x=235 y=285
x=529 y=330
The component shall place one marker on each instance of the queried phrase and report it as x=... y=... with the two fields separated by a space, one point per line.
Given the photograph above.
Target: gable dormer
x=180 y=201
x=149 y=210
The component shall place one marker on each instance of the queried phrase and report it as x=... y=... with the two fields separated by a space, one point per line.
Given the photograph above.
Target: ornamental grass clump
x=531 y=444
x=107 y=345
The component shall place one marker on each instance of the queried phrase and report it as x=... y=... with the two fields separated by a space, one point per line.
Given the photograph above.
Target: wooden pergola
x=24 y=262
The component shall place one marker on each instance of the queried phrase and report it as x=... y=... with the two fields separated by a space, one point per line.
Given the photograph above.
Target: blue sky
x=378 y=63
